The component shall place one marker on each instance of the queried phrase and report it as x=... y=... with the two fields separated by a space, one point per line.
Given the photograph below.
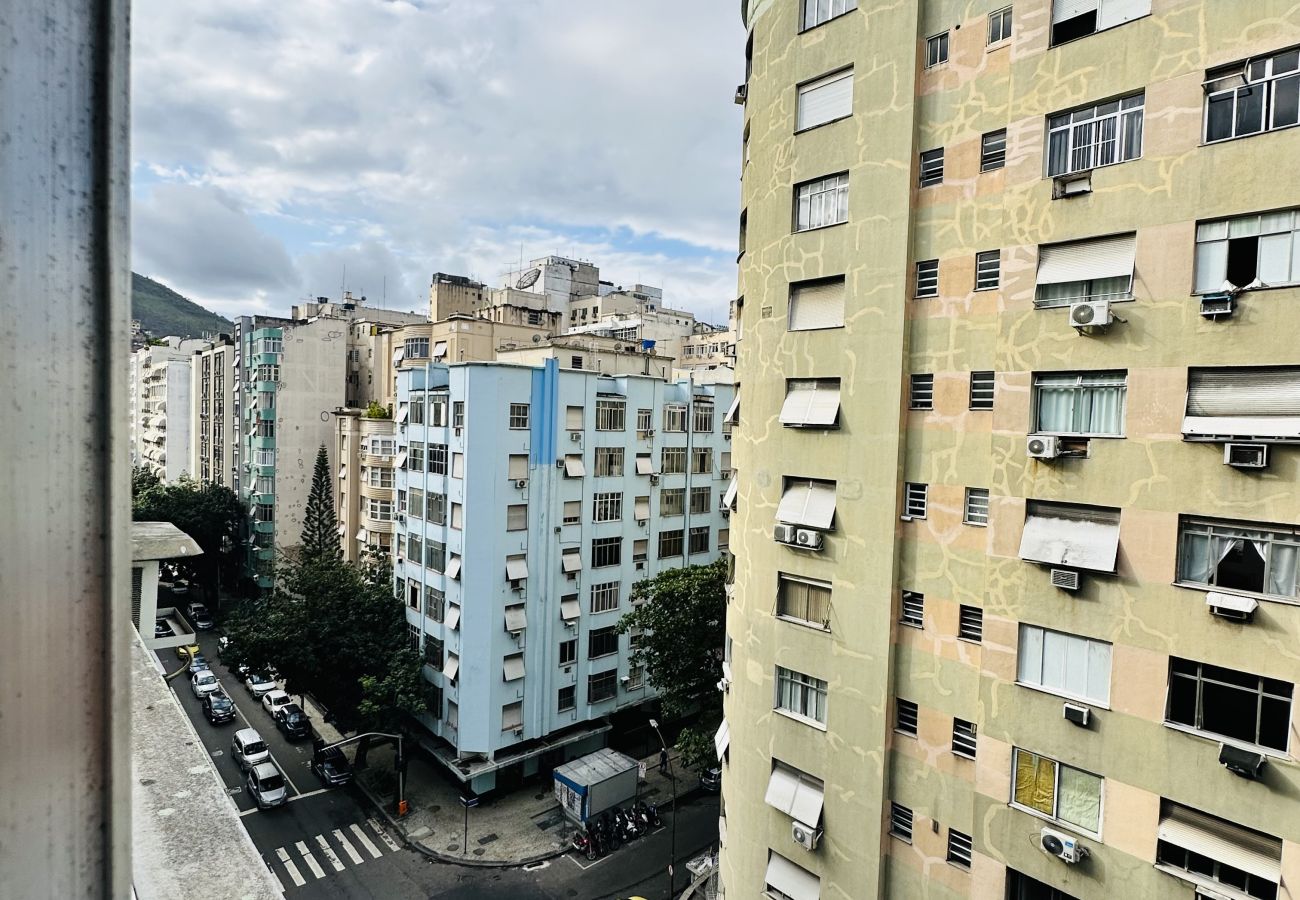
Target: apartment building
x=160 y=407
x=529 y=500
x=1015 y=603
x=212 y=401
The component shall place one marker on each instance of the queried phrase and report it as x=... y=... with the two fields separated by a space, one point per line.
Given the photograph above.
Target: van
x=248 y=748
x=266 y=786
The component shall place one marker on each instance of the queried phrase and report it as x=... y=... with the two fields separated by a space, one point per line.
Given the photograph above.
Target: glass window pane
x=1055 y=652
x=1079 y=801
x=1211 y=265
x=1275 y=258
x=1030 y=663
x=1035 y=785
x=1098 y=672
x=1218 y=116
x=1250 y=109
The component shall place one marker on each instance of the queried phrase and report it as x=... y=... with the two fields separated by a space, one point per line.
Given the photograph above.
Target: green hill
x=163 y=312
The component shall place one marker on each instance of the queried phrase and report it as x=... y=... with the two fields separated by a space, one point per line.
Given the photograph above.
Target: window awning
x=795 y=794
x=1241 y=848
x=808 y=404
x=1109 y=257
x=722 y=740
x=362 y=535
x=453 y=567
x=570 y=610
x=571 y=561
x=645 y=465
x=1256 y=403
x=452 y=618
x=729 y=498
x=573 y=467
x=733 y=411
x=402 y=412
x=451 y=667
x=439 y=349
x=808 y=503
x=342 y=529
x=641 y=509
x=513 y=668
x=516 y=617
x=791 y=880
x=516 y=568
x=1231 y=601
x=343 y=471
x=1078 y=537
x=401 y=460
x=398 y=355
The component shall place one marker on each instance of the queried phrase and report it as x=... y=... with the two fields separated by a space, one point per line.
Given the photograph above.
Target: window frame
x=608 y=549
x=671 y=538
x=961 y=847
x=1064 y=123
x=970 y=624
x=928 y=175
x=993 y=157
x=912 y=616
x=965 y=737
x=974 y=391
x=1054 y=816
x=907 y=717
x=694 y=545
x=821 y=81
x=803 y=687
x=1260 y=693
x=518 y=413
x=920 y=393
x=604 y=597
x=936 y=50
x=595 y=678
x=925 y=272
x=1266 y=533
x=1080 y=389
x=1004 y=21
x=599 y=642
x=804 y=26
x=983 y=281
x=572 y=697
x=916 y=496
x=607 y=506
x=611 y=415
x=901 y=822
x=787 y=609
x=1268 y=106
x=971 y=514
x=1038 y=685
x=820 y=194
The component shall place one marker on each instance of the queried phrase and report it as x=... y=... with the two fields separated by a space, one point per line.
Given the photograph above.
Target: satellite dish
x=528 y=279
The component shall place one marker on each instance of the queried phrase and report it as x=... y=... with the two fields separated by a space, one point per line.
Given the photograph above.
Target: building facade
x=1004 y=624
x=529 y=500
x=212 y=401
x=161 y=407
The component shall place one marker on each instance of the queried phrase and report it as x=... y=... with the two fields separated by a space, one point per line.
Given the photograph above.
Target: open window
x=1213 y=852
x=1074 y=19
x=811 y=403
x=1255 y=251
x=1070 y=535
x=795 y=793
x=807 y=503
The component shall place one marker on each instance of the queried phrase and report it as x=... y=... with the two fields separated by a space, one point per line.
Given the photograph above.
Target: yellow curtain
x=1035 y=782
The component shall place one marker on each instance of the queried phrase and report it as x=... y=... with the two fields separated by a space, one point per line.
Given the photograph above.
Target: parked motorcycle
x=583 y=843
x=610 y=832
x=651 y=813
x=629 y=830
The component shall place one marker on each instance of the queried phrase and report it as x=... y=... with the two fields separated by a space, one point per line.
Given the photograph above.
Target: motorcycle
x=651 y=814
x=628 y=826
x=609 y=831
x=583 y=843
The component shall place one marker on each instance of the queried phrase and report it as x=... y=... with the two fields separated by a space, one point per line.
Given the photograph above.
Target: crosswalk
x=321 y=855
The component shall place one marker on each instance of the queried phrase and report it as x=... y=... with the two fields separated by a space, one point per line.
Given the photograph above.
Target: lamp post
x=672 y=853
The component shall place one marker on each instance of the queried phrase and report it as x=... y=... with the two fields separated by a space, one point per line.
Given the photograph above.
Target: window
x=602 y=642
x=1056 y=791
x=1196 y=846
x=435 y=606
x=609 y=462
x=433 y=651
x=1022 y=887
x=922 y=392
x=635 y=675
x=670 y=544
x=435 y=555
x=1086 y=403
x=1100 y=269
x=519 y=415
x=1249 y=97
x=1064 y=664
x=675 y=417
x=699 y=540
x=701 y=500
x=807 y=503
x=900 y=822
x=999 y=25
x=815 y=305
x=993 y=149
x=604 y=597
x=268 y=373
x=512 y=714
x=701 y=460
x=438 y=459
x=970 y=624
x=380 y=510
x=913 y=609
x=382 y=447
x=606 y=552
x=988 y=270
x=672 y=502
x=824 y=100
x=977 y=506
x=416 y=408
x=1261 y=250
x=602 y=686
x=672 y=461
x=568 y=651
x=786 y=881
x=800 y=694
x=822 y=202
x=1095 y=136
x=1239 y=556
x=963 y=738
x=915 y=499
x=907 y=717
x=1080 y=18
x=517 y=517
x=376 y=476
x=932 y=167
x=611 y=415
x=927 y=278
x=457 y=516
x=1237 y=705
x=815 y=12
x=435 y=509
x=959 y=844
x=804 y=600
x=607 y=507
x=458 y=465
x=702 y=418
x=644 y=418
x=981 y=390
x=811 y=403
x=415 y=457
x=438 y=411
x=572 y=512
x=413 y=635
x=936 y=50
x=565 y=699
x=265 y=428
x=415 y=550
x=458 y=414
x=640 y=549
x=417 y=348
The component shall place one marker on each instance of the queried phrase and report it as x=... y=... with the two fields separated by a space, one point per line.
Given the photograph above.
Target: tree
x=210 y=513
x=143 y=479
x=682 y=625
x=320 y=540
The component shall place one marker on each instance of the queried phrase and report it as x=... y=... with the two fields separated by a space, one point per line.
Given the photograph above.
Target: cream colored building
x=1003 y=623
x=212 y=400
x=160 y=402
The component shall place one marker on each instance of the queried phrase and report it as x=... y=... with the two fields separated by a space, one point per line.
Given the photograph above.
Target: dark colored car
x=161 y=629
x=711 y=779
x=202 y=618
x=292 y=721
x=331 y=766
x=218 y=708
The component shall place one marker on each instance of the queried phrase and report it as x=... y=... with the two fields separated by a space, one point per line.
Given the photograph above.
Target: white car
x=273 y=700
x=204 y=682
x=258 y=684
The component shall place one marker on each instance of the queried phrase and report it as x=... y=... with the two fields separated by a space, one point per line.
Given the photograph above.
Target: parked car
x=711 y=779
x=198 y=663
x=161 y=629
x=290 y=719
x=273 y=700
x=180 y=586
x=266 y=785
x=218 y=708
x=248 y=748
x=258 y=684
x=192 y=648
x=200 y=616
x=331 y=766
x=203 y=682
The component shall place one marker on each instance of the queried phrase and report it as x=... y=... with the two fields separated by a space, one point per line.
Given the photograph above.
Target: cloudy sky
x=277 y=142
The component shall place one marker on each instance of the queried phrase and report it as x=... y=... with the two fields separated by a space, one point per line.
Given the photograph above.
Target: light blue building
x=530 y=500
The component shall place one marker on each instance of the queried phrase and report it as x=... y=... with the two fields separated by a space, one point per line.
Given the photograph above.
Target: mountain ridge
x=162 y=312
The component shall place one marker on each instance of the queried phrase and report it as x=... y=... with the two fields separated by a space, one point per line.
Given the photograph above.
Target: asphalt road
x=332 y=843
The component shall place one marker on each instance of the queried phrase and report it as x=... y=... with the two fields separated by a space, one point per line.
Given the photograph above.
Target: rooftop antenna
x=343 y=286
x=383 y=297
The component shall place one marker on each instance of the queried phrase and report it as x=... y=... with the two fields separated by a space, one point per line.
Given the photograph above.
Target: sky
x=278 y=144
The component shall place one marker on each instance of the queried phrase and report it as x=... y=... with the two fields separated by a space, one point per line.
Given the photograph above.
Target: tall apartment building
x=160 y=402
x=212 y=401
x=1004 y=624
x=529 y=499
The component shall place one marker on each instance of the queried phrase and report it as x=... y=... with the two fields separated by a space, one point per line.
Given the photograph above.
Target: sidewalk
x=522 y=827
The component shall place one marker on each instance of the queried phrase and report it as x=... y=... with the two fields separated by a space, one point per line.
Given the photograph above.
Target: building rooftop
x=160 y=540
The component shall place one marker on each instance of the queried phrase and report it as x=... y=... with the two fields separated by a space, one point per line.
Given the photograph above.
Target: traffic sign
x=469 y=802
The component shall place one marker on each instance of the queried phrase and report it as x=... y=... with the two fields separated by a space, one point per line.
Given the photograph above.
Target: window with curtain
x=1095 y=136
x=822 y=202
x=1259 y=250
x=801 y=694
x=1057 y=791
x=1080 y=403
x=1064 y=664
x=1239 y=556
x=805 y=600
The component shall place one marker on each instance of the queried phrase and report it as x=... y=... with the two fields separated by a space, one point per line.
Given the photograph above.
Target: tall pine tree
x=320 y=541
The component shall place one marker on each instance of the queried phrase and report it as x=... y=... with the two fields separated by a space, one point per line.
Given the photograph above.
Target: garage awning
x=1109 y=257
x=453 y=567
x=808 y=503
x=516 y=617
x=811 y=404
x=516 y=568
x=722 y=740
x=733 y=411
x=1253 y=852
x=513 y=668
x=452 y=667
x=452 y=619
x=641 y=509
x=1255 y=403
x=796 y=794
x=1076 y=536
x=439 y=349
x=645 y=465
x=571 y=561
x=791 y=880
x=729 y=498
x=573 y=467
x=570 y=610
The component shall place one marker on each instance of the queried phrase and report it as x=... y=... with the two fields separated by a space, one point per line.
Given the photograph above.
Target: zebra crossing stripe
x=298 y=880
x=310 y=860
x=329 y=854
x=365 y=841
x=347 y=846
x=383 y=835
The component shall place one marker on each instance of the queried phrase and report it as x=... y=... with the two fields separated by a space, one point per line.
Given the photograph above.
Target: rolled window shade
x=1110 y=257
x=1244 y=392
x=825 y=99
x=1069 y=9
x=1244 y=849
x=817 y=305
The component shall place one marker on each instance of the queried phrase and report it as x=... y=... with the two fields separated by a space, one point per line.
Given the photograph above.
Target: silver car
x=266 y=786
x=204 y=682
x=248 y=748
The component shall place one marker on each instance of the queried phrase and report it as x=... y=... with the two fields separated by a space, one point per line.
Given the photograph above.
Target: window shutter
x=819 y=305
x=825 y=99
x=811 y=504
x=1117 y=12
x=1250 y=851
x=518 y=466
x=573 y=418
x=1110 y=257
x=1069 y=9
x=1244 y=392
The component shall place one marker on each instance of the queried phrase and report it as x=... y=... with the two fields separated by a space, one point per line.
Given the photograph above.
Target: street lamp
x=672 y=853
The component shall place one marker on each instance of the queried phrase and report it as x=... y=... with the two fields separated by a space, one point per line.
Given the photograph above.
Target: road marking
x=329 y=854
x=365 y=841
x=347 y=846
x=383 y=835
x=216 y=753
x=298 y=880
x=308 y=794
x=249 y=812
x=310 y=860
x=274 y=877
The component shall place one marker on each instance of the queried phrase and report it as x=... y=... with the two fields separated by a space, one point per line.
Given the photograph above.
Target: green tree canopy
x=320 y=540
x=210 y=513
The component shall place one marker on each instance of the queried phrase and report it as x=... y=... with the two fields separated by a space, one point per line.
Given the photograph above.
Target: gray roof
x=596 y=767
x=160 y=540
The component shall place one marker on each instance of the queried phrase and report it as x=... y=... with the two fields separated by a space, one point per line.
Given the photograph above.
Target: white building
x=160 y=401
x=529 y=501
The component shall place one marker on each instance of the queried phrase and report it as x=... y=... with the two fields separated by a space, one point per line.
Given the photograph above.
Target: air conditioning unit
x=805 y=836
x=726 y=513
x=808 y=538
x=1065 y=579
x=723 y=685
x=516 y=584
x=654 y=479
x=1090 y=314
x=784 y=534
x=1231 y=606
x=1218 y=306
x=1043 y=446
x=515 y=634
x=650 y=433
x=576 y=436
x=1077 y=714
x=1246 y=763
x=1063 y=845
x=1245 y=456
x=742 y=94
x=1072 y=186
x=640 y=566
x=726 y=435
x=521 y=483
x=624 y=679
x=519 y=729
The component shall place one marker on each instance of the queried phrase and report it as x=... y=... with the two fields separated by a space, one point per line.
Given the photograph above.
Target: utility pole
x=672 y=853
x=469 y=803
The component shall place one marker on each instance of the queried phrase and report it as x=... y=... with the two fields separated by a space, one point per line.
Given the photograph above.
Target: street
x=333 y=843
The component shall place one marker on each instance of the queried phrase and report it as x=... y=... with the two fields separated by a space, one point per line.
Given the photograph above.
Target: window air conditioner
x=654 y=479
x=1077 y=714
x=521 y=483
x=1057 y=843
x=804 y=836
x=518 y=729
x=1218 y=306
x=1245 y=456
x=1043 y=446
x=1090 y=314
x=808 y=539
x=640 y=566
x=1065 y=579
x=784 y=534
x=624 y=679
x=576 y=436
x=516 y=584
x=1246 y=763
x=1072 y=185
x=726 y=436
x=1231 y=606
x=742 y=94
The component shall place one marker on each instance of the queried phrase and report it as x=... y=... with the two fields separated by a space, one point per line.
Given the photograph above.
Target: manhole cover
x=478 y=852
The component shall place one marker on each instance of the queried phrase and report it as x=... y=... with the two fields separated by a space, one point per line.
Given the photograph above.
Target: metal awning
x=1081 y=538
x=362 y=535
x=641 y=509
x=570 y=610
x=729 y=498
x=513 y=667
x=516 y=568
x=451 y=667
x=722 y=739
x=573 y=467
x=439 y=349
x=791 y=880
x=811 y=404
x=1241 y=848
x=401 y=460
x=645 y=465
x=571 y=561
x=795 y=794
x=808 y=503
x=398 y=355
x=343 y=471
x=1234 y=602
x=402 y=412
x=516 y=617
x=733 y=411
x=453 y=567
x=452 y=618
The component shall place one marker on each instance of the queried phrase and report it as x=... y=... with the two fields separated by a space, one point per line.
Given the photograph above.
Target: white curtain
x=1081 y=410
x=1078 y=799
x=1282 y=569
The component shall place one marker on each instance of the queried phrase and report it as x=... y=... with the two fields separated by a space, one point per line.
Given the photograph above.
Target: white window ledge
x=795 y=717
x=1271 y=753
x=1207 y=588
x=1059 y=823
x=1064 y=696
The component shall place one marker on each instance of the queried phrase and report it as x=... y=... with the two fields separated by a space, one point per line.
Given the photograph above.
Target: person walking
x=663 y=761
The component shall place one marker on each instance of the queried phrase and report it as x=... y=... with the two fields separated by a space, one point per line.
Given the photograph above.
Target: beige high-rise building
x=1015 y=604
x=212 y=400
